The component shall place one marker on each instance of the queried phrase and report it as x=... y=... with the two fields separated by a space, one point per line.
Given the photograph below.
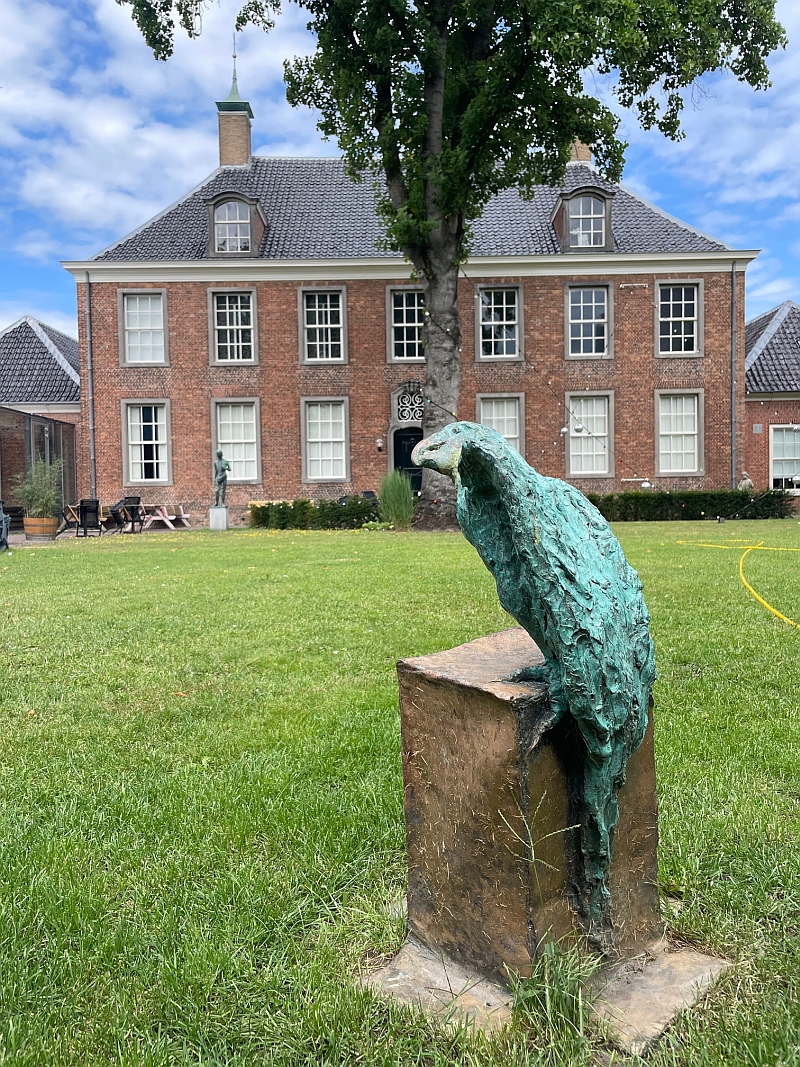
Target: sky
x=96 y=136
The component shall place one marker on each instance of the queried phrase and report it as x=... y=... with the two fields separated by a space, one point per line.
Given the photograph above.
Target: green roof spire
x=234 y=102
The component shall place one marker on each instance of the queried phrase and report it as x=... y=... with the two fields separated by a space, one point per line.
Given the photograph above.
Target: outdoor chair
x=5 y=527
x=129 y=510
x=88 y=518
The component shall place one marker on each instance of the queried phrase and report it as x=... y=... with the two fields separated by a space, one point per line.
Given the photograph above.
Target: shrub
x=39 y=490
x=659 y=506
x=396 y=500
x=348 y=513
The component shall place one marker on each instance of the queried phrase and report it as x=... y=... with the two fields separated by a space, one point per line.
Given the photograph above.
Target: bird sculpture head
x=442 y=451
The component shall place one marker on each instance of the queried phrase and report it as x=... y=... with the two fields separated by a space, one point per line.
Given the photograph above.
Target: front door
x=404 y=441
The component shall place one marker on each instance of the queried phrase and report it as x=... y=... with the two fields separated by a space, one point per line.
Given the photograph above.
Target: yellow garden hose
x=751 y=548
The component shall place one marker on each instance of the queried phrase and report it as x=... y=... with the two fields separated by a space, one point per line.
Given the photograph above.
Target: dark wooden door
x=404 y=441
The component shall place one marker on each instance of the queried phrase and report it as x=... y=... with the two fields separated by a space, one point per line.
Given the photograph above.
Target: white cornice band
x=377 y=268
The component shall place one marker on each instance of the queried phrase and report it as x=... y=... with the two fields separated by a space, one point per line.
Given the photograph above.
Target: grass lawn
x=201 y=802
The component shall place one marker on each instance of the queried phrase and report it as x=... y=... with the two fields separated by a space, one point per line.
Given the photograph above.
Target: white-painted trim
x=57 y=355
x=769 y=332
x=772 y=398
x=395 y=269
x=46 y=409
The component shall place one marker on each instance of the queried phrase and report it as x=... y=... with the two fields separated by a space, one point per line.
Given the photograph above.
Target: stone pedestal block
x=493 y=846
x=218 y=518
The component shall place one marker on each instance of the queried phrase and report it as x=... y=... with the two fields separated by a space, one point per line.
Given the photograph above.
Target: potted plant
x=39 y=492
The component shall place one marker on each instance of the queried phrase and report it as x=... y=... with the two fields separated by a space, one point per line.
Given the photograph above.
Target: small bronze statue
x=221 y=468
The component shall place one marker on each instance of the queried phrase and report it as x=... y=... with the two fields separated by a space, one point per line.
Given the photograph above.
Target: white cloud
x=12 y=310
x=740 y=142
x=107 y=138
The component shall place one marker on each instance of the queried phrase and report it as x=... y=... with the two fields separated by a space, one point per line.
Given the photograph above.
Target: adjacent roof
x=314 y=210
x=38 y=364
x=772 y=342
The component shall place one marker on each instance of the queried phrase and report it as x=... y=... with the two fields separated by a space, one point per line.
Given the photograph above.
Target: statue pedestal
x=218 y=517
x=493 y=847
x=491 y=855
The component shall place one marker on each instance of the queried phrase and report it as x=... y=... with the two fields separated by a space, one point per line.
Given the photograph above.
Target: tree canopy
x=453 y=100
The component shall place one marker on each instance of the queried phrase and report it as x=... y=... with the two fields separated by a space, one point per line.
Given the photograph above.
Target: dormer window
x=587 y=222
x=232 y=227
x=582 y=220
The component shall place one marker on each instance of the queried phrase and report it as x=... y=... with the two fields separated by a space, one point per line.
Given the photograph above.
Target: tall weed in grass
x=396 y=499
x=552 y=1004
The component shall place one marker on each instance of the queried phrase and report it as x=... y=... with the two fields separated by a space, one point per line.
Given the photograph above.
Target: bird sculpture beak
x=438 y=454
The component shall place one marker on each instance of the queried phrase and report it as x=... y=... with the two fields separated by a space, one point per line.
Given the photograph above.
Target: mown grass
x=201 y=800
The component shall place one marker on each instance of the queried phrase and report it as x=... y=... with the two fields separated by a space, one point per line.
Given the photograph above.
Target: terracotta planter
x=40 y=529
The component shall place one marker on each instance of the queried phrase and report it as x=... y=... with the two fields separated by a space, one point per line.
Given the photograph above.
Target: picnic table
x=167 y=514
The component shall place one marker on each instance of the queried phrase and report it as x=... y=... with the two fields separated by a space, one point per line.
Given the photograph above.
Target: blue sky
x=96 y=137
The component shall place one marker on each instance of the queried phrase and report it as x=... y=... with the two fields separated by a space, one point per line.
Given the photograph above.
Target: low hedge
x=658 y=506
x=348 y=513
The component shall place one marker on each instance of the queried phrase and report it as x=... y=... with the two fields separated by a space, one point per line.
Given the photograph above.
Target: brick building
x=772 y=398
x=39 y=404
x=261 y=314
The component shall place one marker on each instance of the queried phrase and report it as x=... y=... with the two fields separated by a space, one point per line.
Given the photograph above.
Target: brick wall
x=279 y=380
x=764 y=412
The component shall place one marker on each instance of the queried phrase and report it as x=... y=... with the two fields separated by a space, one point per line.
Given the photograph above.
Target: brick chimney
x=234 y=115
x=581 y=153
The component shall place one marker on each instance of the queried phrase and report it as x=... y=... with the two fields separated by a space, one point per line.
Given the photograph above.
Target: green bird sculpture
x=562 y=574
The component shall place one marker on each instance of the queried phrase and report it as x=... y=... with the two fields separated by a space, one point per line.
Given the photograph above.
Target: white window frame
x=562 y=216
x=570 y=407
x=573 y=287
x=243 y=207
x=520 y=399
x=125 y=405
x=320 y=290
x=699 y=319
x=391 y=291
x=782 y=426
x=122 y=294
x=212 y=325
x=592 y=246
x=305 y=402
x=216 y=404
x=479 y=323
x=700 y=433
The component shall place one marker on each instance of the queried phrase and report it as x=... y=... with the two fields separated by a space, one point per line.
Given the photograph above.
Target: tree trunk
x=436 y=507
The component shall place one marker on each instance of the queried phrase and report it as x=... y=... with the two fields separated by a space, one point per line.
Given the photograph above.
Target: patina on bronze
x=221 y=468
x=561 y=573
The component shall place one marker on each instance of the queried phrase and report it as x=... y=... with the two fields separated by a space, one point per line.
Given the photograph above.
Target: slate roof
x=772 y=342
x=314 y=211
x=38 y=364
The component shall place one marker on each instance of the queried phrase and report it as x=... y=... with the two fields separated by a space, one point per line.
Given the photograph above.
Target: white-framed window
x=234 y=340
x=325 y=433
x=499 y=324
x=147 y=442
x=407 y=310
x=587 y=222
x=323 y=326
x=237 y=436
x=588 y=321
x=143 y=327
x=502 y=413
x=589 y=439
x=678 y=319
x=232 y=226
x=679 y=426
x=785 y=457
